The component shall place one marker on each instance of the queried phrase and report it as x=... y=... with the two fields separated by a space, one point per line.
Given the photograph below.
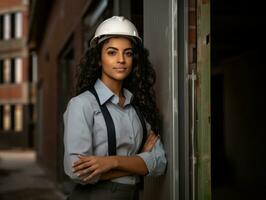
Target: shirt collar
x=128 y=95
x=105 y=94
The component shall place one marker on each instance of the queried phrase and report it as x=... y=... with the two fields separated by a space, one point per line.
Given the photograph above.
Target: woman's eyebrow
x=114 y=48
x=111 y=48
x=128 y=49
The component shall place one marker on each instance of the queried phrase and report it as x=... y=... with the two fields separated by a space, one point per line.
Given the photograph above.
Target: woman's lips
x=120 y=69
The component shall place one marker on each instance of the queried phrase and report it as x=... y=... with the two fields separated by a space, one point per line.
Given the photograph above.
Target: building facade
x=17 y=77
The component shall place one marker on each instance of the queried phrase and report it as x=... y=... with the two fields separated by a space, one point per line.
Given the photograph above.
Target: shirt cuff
x=149 y=161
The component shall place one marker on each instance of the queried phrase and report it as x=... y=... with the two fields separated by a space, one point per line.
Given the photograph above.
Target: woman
x=106 y=147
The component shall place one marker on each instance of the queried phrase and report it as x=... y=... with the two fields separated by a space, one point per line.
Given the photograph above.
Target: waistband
x=109 y=185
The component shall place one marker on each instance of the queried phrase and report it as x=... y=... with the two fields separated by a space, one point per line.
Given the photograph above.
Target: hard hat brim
x=97 y=40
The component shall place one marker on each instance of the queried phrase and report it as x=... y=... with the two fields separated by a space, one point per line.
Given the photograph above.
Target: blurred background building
x=18 y=76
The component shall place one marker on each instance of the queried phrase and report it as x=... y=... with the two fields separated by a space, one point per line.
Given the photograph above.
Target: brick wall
x=9 y=3
x=63 y=25
x=192 y=18
x=25 y=23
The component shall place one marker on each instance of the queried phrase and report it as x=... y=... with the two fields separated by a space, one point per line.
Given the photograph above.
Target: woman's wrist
x=115 y=161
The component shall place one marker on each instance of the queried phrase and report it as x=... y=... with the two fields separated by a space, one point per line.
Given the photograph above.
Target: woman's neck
x=113 y=85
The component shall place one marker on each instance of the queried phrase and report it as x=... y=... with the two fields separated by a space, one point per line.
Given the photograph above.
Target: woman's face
x=116 y=59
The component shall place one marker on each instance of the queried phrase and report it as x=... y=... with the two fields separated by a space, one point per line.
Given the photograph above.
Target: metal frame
x=183 y=102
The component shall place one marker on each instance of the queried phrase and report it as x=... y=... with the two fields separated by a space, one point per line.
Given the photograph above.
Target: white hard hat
x=115 y=26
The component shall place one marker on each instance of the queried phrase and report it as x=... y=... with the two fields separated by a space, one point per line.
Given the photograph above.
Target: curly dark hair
x=140 y=81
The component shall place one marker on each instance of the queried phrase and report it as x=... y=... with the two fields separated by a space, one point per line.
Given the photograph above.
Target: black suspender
x=144 y=128
x=109 y=124
x=111 y=127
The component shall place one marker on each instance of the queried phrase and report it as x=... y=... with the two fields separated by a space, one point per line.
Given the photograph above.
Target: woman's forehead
x=118 y=42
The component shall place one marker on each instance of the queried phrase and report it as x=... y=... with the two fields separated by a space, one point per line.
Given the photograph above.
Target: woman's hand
x=150 y=142
x=87 y=167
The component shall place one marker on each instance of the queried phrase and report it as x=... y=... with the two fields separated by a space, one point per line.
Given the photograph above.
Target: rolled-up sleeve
x=155 y=160
x=78 y=120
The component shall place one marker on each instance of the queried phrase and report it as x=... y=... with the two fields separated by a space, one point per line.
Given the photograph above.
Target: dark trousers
x=106 y=190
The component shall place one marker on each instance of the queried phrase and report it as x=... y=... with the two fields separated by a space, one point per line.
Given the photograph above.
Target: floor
x=22 y=179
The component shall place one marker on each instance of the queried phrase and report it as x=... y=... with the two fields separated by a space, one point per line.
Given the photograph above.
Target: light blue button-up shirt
x=85 y=132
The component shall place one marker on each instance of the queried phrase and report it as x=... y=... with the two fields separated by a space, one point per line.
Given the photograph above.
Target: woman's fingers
x=91 y=166
x=83 y=173
x=150 y=145
x=92 y=175
x=82 y=164
x=150 y=142
x=81 y=160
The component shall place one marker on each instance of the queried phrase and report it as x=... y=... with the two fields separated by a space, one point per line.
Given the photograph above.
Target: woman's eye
x=129 y=53
x=111 y=53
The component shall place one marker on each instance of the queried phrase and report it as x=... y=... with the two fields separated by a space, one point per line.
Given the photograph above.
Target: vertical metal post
x=192 y=78
x=183 y=82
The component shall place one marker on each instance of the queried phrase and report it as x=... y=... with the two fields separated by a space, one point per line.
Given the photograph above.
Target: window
x=32 y=72
x=18 y=115
x=18 y=70
x=1 y=71
x=7 y=26
x=12 y=25
x=18 y=25
x=12 y=117
x=7 y=70
x=12 y=71
x=1 y=117
x=1 y=27
x=7 y=117
x=66 y=78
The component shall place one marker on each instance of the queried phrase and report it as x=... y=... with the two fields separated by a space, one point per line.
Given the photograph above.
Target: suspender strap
x=109 y=124
x=144 y=128
x=111 y=127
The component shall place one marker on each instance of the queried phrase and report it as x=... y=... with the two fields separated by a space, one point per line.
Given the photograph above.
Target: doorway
x=238 y=100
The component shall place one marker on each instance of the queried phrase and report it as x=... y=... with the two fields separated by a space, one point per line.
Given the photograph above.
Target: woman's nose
x=121 y=58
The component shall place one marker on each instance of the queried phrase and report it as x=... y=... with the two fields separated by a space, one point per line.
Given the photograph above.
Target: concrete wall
x=158 y=43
